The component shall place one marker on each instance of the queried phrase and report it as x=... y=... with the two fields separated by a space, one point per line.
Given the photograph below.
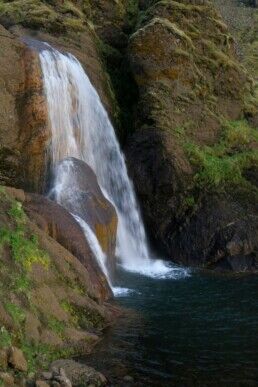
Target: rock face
x=24 y=119
x=55 y=221
x=82 y=195
x=192 y=105
x=188 y=157
x=49 y=299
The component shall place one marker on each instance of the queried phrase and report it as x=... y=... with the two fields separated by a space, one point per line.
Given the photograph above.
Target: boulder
x=82 y=196
x=80 y=374
x=17 y=360
x=60 y=225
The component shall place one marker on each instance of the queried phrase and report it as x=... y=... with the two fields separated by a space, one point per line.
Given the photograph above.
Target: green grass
x=39 y=356
x=25 y=249
x=21 y=283
x=56 y=326
x=15 y=312
x=16 y=212
x=223 y=164
x=5 y=338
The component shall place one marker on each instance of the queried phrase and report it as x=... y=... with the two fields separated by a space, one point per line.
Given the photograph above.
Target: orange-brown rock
x=35 y=134
x=24 y=131
x=59 y=224
x=82 y=196
x=49 y=298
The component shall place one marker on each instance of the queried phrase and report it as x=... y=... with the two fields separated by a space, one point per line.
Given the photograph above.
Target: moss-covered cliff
x=172 y=73
x=194 y=153
x=51 y=306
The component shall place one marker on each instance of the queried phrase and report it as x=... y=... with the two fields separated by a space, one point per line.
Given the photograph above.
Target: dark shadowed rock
x=180 y=66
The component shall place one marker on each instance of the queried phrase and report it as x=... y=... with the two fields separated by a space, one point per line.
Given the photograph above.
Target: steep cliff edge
x=193 y=156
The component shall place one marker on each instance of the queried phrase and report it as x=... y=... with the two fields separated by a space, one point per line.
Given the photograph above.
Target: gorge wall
x=185 y=107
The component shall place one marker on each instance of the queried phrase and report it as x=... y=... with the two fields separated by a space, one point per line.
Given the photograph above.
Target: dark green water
x=196 y=331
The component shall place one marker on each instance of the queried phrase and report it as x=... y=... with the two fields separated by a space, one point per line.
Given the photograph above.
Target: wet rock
x=80 y=374
x=58 y=223
x=17 y=360
x=88 y=202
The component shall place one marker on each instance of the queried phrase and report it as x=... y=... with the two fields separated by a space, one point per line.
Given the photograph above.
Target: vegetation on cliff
x=46 y=308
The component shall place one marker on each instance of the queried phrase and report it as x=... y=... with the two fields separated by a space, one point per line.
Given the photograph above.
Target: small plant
x=16 y=212
x=71 y=310
x=56 y=326
x=21 y=283
x=25 y=250
x=5 y=338
x=223 y=164
x=15 y=312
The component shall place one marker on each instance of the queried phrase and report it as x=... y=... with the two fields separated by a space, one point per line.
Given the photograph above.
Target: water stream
x=82 y=129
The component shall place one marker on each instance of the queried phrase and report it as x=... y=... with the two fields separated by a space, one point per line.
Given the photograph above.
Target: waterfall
x=81 y=128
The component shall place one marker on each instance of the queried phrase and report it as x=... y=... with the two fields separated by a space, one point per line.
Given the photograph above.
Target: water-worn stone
x=17 y=360
x=57 y=222
x=80 y=374
x=82 y=196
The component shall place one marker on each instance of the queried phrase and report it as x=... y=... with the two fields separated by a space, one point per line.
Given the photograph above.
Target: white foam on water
x=122 y=292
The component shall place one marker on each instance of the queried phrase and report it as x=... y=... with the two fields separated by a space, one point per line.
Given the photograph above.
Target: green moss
x=223 y=164
x=16 y=212
x=20 y=283
x=69 y=8
x=39 y=356
x=25 y=250
x=56 y=326
x=15 y=312
x=75 y=25
x=5 y=338
x=83 y=317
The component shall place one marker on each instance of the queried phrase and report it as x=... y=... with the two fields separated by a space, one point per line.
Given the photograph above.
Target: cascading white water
x=100 y=256
x=81 y=128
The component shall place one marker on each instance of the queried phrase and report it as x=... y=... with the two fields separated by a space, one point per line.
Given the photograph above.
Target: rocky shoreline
x=62 y=373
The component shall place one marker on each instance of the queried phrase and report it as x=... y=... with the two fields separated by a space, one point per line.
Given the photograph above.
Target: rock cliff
x=179 y=85
x=52 y=291
x=193 y=155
